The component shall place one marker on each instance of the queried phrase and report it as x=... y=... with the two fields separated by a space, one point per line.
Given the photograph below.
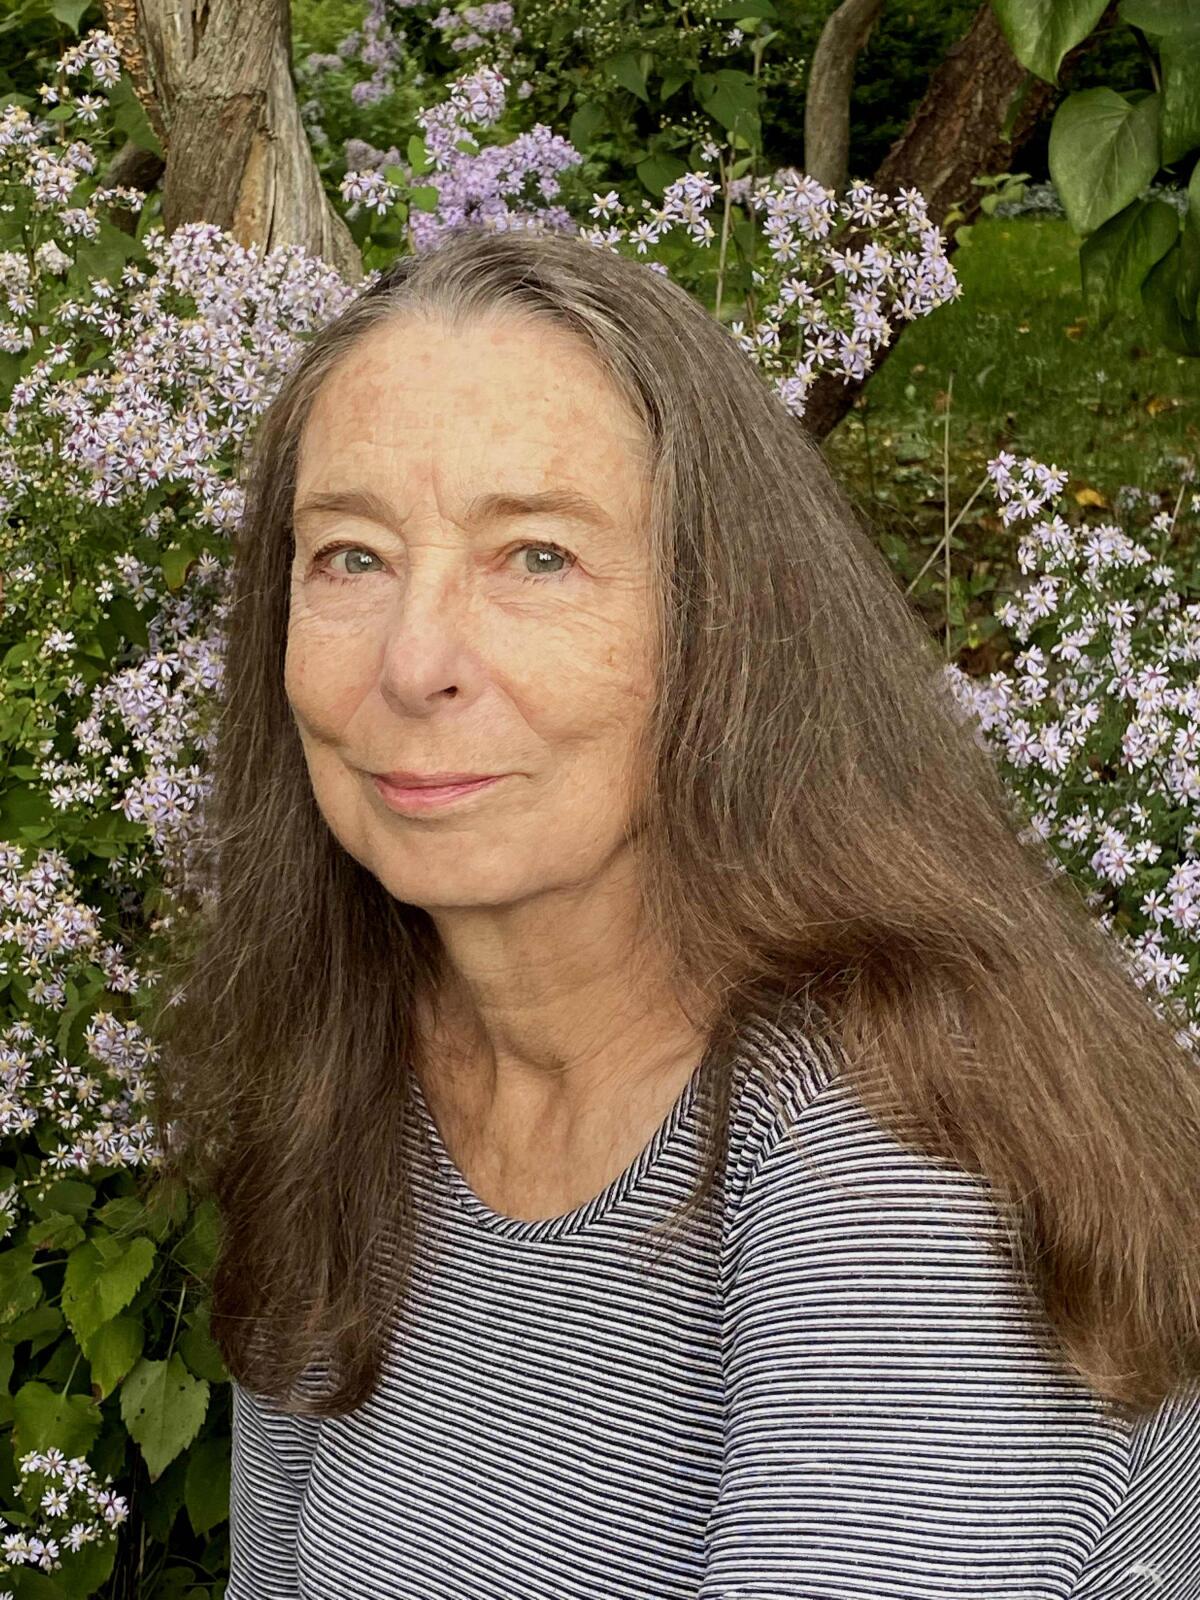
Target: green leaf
x=1180 y=55
x=1160 y=297
x=1160 y=16
x=206 y=1487
x=44 y=1418
x=1040 y=32
x=630 y=71
x=95 y=1288
x=201 y=1352
x=1104 y=151
x=197 y=1250
x=129 y=117
x=112 y=1350
x=176 y=561
x=58 y=1232
x=163 y=1406
x=20 y=1286
x=731 y=98
x=425 y=197
x=586 y=123
x=656 y=172
x=418 y=157
x=1190 y=240
x=62 y=113
x=64 y=1194
x=1116 y=258
x=748 y=8
x=69 y=11
x=41 y=1325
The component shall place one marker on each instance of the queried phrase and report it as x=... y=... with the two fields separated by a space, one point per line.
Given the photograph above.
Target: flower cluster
x=51 y=170
x=75 y=1511
x=86 y=1115
x=183 y=354
x=498 y=186
x=1097 y=728
x=840 y=301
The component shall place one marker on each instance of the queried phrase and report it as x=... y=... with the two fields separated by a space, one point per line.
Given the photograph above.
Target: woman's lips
x=420 y=800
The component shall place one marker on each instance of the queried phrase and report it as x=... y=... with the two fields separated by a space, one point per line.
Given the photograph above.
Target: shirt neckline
x=539 y=1229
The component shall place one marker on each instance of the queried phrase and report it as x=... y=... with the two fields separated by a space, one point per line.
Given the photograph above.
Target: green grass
x=1018 y=364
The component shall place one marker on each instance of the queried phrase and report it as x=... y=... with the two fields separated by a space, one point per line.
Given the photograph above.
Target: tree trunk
x=830 y=83
x=215 y=79
x=955 y=134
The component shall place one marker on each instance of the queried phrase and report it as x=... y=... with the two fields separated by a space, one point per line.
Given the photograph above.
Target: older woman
x=672 y=1139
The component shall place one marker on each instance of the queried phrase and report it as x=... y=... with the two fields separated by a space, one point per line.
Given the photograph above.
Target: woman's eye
x=539 y=570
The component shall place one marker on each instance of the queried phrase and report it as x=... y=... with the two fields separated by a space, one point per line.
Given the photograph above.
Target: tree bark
x=830 y=84
x=215 y=79
x=955 y=134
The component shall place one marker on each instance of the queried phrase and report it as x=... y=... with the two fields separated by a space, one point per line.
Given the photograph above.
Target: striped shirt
x=832 y=1390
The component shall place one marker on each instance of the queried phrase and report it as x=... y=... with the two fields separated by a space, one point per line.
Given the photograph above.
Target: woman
x=712 y=1156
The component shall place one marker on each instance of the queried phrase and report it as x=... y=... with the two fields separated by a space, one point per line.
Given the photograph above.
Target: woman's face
x=442 y=635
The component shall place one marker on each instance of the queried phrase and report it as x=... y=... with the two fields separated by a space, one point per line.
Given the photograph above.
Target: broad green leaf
x=1180 y=55
x=1160 y=297
x=425 y=197
x=585 y=124
x=1190 y=242
x=41 y=1326
x=175 y=562
x=1040 y=32
x=206 y=1487
x=130 y=117
x=57 y=1232
x=197 y=1250
x=418 y=156
x=84 y=1572
x=163 y=1406
x=112 y=1350
x=672 y=82
x=1160 y=16
x=96 y=1288
x=1116 y=258
x=731 y=99
x=630 y=71
x=71 y=1195
x=199 y=1349
x=656 y=172
x=42 y=1418
x=69 y=11
x=1104 y=150
x=20 y=1285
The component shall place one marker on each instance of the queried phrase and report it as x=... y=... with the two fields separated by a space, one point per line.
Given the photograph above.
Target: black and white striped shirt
x=839 y=1397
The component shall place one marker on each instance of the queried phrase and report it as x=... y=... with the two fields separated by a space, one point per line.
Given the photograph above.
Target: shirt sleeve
x=271 y=1455
x=892 y=1429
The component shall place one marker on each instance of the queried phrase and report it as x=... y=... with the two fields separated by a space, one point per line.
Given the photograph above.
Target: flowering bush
x=1097 y=728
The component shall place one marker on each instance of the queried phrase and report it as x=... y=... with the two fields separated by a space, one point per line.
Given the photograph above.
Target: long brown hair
x=818 y=825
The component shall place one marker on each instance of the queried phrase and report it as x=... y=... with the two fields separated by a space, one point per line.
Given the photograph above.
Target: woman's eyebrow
x=490 y=507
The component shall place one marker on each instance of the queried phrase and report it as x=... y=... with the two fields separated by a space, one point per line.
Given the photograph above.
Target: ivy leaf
x=1115 y=259
x=163 y=1406
x=1040 y=32
x=1104 y=150
x=101 y=1279
x=43 y=1418
x=206 y=1487
x=111 y=1352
